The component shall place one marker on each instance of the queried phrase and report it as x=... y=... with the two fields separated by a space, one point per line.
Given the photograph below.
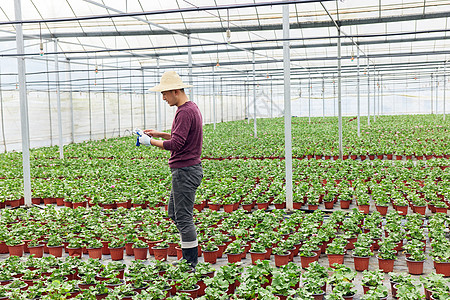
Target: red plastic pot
x=193 y=292
x=263 y=206
x=335 y=259
x=233 y=258
x=129 y=249
x=37 y=251
x=213 y=206
x=442 y=268
x=75 y=252
x=16 y=250
x=386 y=265
x=415 y=267
x=56 y=251
x=364 y=208
x=382 y=209
x=95 y=253
x=255 y=256
x=179 y=252
x=140 y=253
x=281 y=260
x=116 y=253
x=361 y=263
x=105 y=248
x=329 y=204
x=210 y=256
x=306 y=260
x=160 y=254
x=345 y=204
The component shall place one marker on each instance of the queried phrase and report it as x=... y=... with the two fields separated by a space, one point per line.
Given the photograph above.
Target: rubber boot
x=191 y=255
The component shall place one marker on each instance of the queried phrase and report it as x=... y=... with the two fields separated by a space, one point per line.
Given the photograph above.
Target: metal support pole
x=436 y=78
x=445 y=81
x=118 y=94
x=159 y=103
x=334 y=96
x=379 y=93
x=247 y=91
x=1 y=112
x=72 y=124
x=214 y=98
x=131 y=99
x=359 y=96
x=382 y=104
x=221 y=100
x=89 y=102
x=271 y=100
x=431 y=86
x=143 y=98
x=309 y=98
x=23 y=105
x=287 y=109
x=323 y=96
x=374 y=93
x=340 y=94
x=254 y=96
x=49 y=98
x=368 y=92
x=191 y=93
x=58 y=97
x=104 y=104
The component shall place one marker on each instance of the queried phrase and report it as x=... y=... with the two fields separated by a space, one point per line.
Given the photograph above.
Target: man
x=185 y=144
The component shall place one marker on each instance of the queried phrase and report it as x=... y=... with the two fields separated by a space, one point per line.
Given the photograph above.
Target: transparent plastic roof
x=388 y=32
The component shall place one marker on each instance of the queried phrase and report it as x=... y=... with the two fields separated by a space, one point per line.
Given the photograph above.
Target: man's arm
x=157 y=143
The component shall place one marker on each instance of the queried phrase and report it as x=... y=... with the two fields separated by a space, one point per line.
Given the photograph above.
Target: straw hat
x=170 y=80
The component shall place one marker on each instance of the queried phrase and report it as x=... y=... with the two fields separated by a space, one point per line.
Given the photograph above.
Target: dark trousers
x=185 y=182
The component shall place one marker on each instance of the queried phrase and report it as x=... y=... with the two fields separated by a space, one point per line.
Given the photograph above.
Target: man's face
x=169 y=97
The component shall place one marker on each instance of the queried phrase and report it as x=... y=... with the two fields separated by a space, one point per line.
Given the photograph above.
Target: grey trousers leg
x=185 y=182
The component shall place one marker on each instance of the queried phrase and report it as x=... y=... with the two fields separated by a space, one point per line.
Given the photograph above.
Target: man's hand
x=152 y=132
x=142 y=139
x=157 y=134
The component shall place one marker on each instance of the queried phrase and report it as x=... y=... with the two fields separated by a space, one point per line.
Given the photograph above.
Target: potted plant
x=307 y=255
x=75 y=247
x=281 y=285
x=15 y=246
x=209 y=251
x=160 y=250
x=376 y=293
x=281 y=256
x=258 y=251
x=432 y=283
x=336 y=250
x=314 y=286
x=415 y=262
x=234 y=251
x=116 y=247
x=113 y=282
x=55 y=245
x=363 y=202
x=398 y=278
x=345 y=289
x=36 y=248
x=371 y=279
x=386 y=256
x=441 y=255
x=188 y=284
x=140 y=250
x=94 y=248
x=361 y=256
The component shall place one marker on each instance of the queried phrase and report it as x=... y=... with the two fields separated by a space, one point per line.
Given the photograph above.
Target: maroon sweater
x=186 y=139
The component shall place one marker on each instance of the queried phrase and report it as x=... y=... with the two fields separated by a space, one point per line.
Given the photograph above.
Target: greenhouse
x=290 y=149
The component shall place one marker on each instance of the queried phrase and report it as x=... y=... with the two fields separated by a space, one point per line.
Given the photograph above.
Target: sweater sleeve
x=179 y=132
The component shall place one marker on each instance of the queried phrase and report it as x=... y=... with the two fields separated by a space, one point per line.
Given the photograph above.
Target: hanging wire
x=41 y=45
